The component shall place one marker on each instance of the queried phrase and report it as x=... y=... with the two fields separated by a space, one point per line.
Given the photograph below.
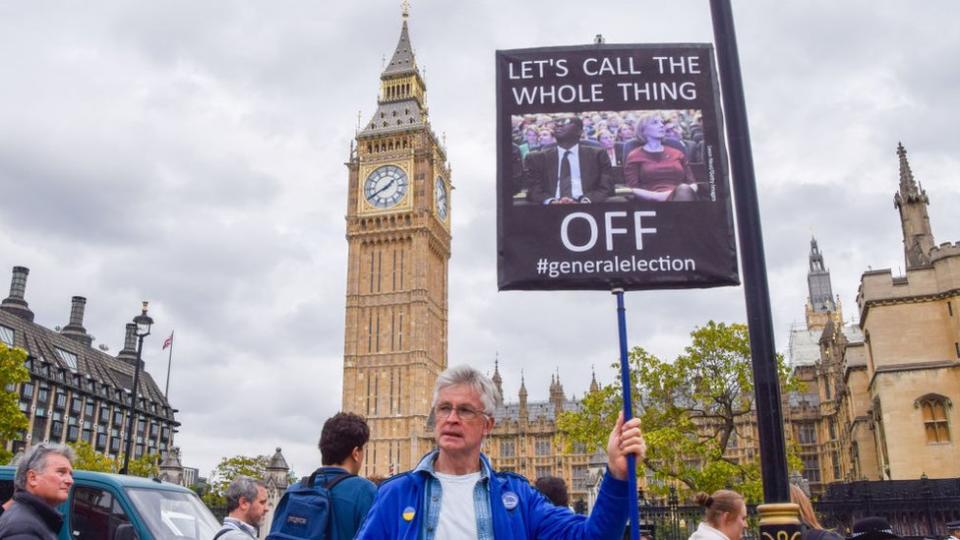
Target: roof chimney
x=75 y=329
x=15 y=303
x=129 y=352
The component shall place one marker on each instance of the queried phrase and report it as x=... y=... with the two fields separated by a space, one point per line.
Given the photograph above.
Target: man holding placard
x=454 y=492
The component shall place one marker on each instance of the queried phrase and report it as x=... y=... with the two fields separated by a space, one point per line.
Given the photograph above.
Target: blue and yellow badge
x=510 y=500
x=408 y=513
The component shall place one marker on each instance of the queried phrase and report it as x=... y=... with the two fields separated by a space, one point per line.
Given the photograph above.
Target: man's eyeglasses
x=465 y=413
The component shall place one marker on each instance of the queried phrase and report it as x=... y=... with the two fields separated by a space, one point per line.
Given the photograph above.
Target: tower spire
x=820 y=300
x=818 y=281
x=402 y=62
x=911 y=201
x=402 y=104
x=523 y=399
x=557 y=396
x=497 y=379
x=909 y=189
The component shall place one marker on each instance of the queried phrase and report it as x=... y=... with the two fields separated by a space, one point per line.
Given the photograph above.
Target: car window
x=6 y=490
x=95 y=514
x=173 y=515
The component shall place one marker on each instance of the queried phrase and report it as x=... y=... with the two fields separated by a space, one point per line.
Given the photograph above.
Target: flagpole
x=166 y=389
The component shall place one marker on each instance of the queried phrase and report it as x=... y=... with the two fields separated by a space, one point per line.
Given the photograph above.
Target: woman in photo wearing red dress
x=658 y=172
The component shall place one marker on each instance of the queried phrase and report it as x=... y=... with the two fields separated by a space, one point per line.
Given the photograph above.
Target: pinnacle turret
x=910 y=190
x=557 y=397
x=911 y=201
x=818 y=281
x=524 y=414
x=498 y=381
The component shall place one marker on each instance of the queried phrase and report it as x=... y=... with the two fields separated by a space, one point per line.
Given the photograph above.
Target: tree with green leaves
x=86 y=458
x=12 y=420
x=146 y=466
x=89 y=459
x=693 y=410
x=230 y=468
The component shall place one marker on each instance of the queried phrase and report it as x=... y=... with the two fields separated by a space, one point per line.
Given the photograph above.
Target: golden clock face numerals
x=440 y=194
x=386 y=186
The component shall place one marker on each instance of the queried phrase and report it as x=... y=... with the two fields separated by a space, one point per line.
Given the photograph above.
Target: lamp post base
x=779 y=521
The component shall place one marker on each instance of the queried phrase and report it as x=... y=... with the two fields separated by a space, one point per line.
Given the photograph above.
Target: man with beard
x=246 y=506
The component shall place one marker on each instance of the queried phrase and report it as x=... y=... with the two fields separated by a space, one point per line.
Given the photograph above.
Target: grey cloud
x=192 y=154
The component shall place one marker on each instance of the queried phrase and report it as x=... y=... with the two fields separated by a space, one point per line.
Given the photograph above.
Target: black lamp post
x=143 y=322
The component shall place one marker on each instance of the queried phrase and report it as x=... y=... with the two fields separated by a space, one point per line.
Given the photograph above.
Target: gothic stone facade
x=882 y=390
x=525 y=439
x=77 y=392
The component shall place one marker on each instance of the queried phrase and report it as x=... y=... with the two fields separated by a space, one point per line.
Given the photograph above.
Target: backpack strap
x=224 y=530
x=337 y=479
x=311 y=480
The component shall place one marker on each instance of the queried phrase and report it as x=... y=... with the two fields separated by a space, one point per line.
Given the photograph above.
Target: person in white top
x=724 y=516
x=454 y=492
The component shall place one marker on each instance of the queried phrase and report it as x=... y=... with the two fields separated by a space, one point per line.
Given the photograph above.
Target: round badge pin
x=408 y=513
x=510 y=500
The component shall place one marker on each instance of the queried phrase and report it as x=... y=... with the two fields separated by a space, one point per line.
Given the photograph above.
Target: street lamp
x=143 y=322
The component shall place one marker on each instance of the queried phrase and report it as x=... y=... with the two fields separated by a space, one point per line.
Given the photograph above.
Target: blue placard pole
x=627 y=415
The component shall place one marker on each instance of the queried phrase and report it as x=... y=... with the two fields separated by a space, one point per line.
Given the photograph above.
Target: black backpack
x=306 y=510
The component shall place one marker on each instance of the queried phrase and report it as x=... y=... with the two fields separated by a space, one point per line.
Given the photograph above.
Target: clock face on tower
x=440 y=194
x=386 y=186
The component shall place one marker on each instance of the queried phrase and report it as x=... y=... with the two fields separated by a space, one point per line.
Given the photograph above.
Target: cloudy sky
x=191 y=153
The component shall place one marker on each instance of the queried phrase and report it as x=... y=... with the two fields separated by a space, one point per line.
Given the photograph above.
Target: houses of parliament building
x=880 y=393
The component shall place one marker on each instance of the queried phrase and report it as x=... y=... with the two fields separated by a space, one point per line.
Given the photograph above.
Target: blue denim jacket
x=433 y=497
x=406 y=509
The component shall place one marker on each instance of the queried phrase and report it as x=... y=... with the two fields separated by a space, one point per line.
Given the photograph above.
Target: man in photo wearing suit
x=569 y=172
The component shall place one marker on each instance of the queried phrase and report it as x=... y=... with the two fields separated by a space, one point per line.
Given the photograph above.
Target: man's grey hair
x=466 y=375
x=242 y=486
x=35 y=459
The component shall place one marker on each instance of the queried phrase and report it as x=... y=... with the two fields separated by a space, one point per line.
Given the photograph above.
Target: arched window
x=933 y=409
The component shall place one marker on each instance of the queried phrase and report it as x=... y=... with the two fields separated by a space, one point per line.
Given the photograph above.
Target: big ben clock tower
x=398 y=235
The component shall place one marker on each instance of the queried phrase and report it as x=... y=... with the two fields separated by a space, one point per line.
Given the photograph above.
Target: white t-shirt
x=458 y=516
